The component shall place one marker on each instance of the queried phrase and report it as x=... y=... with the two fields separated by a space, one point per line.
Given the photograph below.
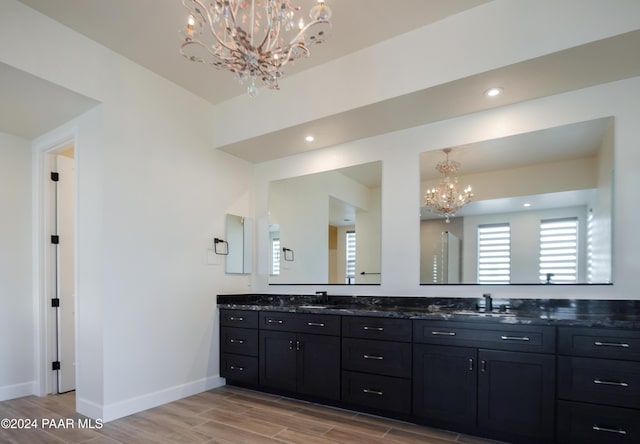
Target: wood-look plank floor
x=223 y=415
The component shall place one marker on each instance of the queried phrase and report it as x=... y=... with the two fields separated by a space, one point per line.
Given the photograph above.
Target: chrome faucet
x=488 y=302
x=322 y=297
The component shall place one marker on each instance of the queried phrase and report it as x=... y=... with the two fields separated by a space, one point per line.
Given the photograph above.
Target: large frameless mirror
x=540 y=212
x=324 y=228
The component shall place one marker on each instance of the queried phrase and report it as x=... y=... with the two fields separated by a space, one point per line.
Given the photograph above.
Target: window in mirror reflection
x=494 y=254
x=556 y=174
x=559 y=251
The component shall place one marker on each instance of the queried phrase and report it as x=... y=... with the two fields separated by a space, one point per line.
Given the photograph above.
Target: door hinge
x=55 y=176
x=55 y=302
x=55 y=365
x=55 y=239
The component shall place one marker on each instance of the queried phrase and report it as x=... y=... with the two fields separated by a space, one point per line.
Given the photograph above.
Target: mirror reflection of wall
x=331 y=220
x=541 y=211
x=239 y=238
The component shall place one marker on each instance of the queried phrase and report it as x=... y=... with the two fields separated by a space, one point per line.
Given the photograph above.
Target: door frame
x=44 y=150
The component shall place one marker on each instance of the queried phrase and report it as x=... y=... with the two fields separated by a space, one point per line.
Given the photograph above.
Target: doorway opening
x=58 y=209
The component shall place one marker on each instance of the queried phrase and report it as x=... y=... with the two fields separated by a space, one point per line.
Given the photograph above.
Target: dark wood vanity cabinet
x=376 y=363
x=598 y=385
x=239 y=345
x=519 y=383
x=482 y=381
x=295 y=361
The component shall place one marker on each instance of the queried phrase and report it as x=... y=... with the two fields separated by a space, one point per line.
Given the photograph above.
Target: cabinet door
x=516 y=394
x=318 y=360
x=278 y=360
x=445 y=383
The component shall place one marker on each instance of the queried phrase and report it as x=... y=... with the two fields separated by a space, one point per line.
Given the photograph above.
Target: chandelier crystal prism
x=446 y=199
x=254 y=39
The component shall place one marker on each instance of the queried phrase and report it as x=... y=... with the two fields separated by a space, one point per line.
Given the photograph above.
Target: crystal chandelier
x=254 y=39
x=446 y=199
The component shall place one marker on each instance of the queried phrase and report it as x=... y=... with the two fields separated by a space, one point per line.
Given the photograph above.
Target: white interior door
x=65 y=274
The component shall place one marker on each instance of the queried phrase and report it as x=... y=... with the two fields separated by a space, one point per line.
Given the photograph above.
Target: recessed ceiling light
x=526 y=205
x=309 y=138
x=492 y=92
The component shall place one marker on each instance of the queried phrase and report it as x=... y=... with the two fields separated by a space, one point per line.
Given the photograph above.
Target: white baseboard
x=17 y=390
x=144 y=402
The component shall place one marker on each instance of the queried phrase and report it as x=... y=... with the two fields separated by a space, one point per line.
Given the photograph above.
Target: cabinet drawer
x=601 y=381
x=594 y=424
x=241 y=341
x=377 y=392
x=376 y=328
x=380 y=357
x=239 y=368
x=599 y=343
x=300 y=322
x=532 y=338
x=239 y=318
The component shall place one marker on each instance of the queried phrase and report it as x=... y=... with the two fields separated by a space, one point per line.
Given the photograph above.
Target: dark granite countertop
x=570 y=312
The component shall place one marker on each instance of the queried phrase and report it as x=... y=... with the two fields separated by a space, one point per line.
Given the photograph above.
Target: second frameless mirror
x=324 y=228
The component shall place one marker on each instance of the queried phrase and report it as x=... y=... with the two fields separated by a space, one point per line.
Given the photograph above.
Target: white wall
x=400 y=152
x=600 y=227
x=17 y=321
x=149 y=204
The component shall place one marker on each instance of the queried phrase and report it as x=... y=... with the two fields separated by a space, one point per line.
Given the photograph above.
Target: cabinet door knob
x=366 y=327
x=373 y=392
x=379 y=358
x=483 y=366
x=298 y=345
x=597 y=428
x=470 y=365
x=611 y=344
x=616 y=383
x=290 y=345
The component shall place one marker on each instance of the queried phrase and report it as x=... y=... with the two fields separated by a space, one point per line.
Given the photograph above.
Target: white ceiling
x=148 y=32
x=31 y=106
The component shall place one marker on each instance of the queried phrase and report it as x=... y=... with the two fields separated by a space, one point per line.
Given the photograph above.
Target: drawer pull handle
x=275 y=321
x=470 y=364
x=240 y=369
x=443 y=333
x=236 y=341
x=616 y=383
x=515 y=338
x=290 y=345
x=233 y=318
x=366 y=327
x=379 y=358
x=372 y=392
x=611 y=344
x=597 y=428
x=315 y=324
